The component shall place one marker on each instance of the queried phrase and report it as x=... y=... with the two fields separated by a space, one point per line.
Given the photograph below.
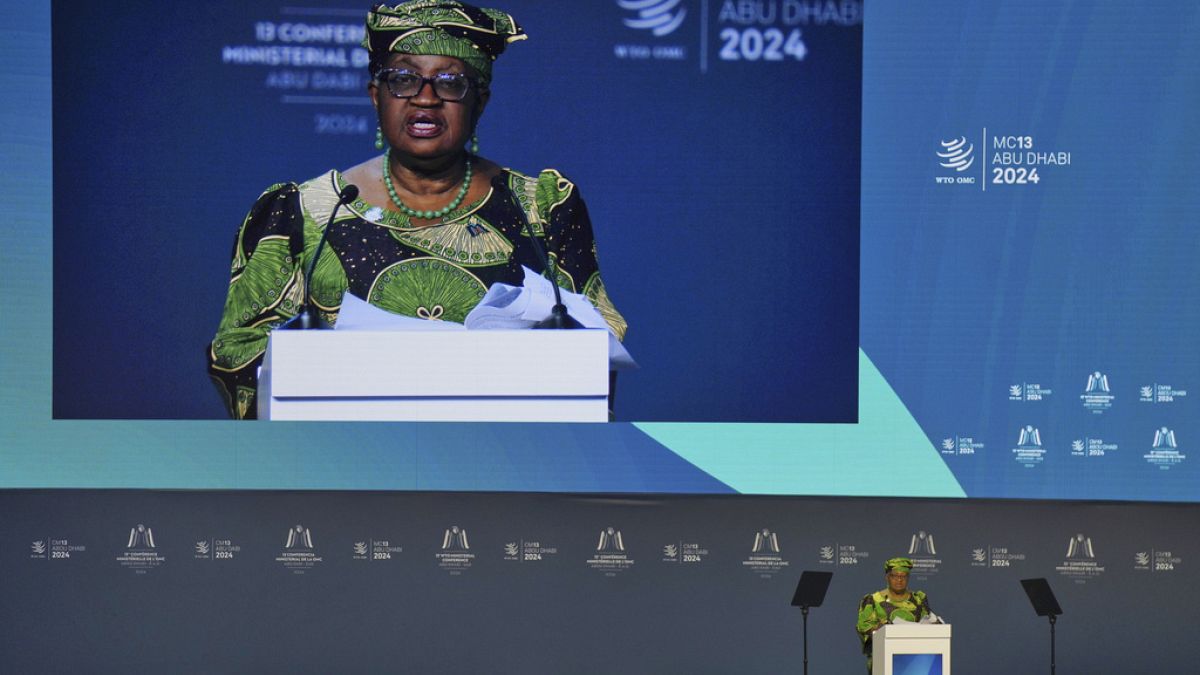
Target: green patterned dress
x=876 y=609
x=437 y=273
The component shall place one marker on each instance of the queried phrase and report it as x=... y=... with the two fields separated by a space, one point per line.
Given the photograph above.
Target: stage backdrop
x=1028 y=233
x=110 y=581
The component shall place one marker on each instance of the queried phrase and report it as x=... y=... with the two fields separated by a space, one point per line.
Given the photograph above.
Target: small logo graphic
x=299 y=537
x=38 y=547
x=202 y=548
x=1029 y=437
x=1164 y=438
x=1156 y=560
x=765 y=558
x=765 y=541
x=995 y=556
x=1097 y=395
x=610 y=556
x=1080 y=563
x=455 y=554
x=841 y=555
x=957 y=154
x=140 y=554
x=1164 y=452
x=1029 y=392
x=140 y=537
x=455 y=539
x=299 y=555
x=1029 y=451
x=1080 y=548
x=684 y=552
x=1091 y=447
x=922 y=544
x=661 y=17
x=610 y=540
x=961 y=445
x=1097 y=383
x=360 y=548
x=1160 y=393
x=529 y=550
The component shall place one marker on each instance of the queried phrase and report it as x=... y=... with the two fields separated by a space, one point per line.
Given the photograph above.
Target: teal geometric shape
x=821 y=459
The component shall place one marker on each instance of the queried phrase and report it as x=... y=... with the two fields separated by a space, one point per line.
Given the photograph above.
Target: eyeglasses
x=407 y=84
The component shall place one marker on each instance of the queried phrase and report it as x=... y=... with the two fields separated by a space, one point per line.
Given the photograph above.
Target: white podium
x=436 y=376
x=918 y=646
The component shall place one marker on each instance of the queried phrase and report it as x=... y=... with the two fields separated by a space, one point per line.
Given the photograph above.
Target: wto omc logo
x=765 y=541
x=1080 y=548
x=957 y=154
x=299 y=537
x=610 y=540
x=661 y=17
x=140 y=537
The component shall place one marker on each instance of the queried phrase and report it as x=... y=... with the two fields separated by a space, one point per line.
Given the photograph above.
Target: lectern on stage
x=911 y=649
x=436 y=376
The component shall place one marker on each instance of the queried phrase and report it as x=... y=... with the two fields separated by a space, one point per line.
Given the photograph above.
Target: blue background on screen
x=966 y=292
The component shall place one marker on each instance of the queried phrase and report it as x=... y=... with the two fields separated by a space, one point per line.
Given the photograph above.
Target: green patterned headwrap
x=901 y=564
x=440 y=28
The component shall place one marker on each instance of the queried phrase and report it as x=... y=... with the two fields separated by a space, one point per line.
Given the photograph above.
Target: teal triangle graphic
x=820 y=459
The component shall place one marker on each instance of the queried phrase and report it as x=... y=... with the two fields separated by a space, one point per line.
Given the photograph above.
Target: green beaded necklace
x=415 y=213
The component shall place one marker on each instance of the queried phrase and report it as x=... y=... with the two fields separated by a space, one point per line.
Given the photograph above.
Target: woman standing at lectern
x=894 y=602
x=434 y=224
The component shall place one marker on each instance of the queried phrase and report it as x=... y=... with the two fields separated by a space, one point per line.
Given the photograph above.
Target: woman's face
x=424 y=126
x=897 y=581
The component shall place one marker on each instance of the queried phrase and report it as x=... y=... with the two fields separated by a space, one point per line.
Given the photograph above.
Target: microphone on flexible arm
x=559 y=318
x=308 y=317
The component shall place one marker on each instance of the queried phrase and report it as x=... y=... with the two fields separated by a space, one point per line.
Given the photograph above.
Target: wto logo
x=671 y=551
x=511 y=549
x=765 y=541
x=922 y=544
x=140 y=537
x=979 y=555
x=299 y=537
x=1141 y=559
x=610 y=540
x=1080 y=548
x=1164 y=438
x=957 y=154
x=455 y=539
x=202 y=548
x=661 y=17
x=826 y=553
x=38 y=547
x=360 y=548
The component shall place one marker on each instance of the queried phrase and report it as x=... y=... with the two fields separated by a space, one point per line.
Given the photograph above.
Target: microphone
x=308 y=317
x=559 y=318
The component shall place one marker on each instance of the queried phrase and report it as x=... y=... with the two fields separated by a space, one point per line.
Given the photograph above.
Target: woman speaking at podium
x=433 y=224
x=896 y=602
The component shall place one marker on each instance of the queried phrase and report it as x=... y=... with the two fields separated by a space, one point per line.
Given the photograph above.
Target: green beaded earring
x=378 y=138
x=474 y=144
